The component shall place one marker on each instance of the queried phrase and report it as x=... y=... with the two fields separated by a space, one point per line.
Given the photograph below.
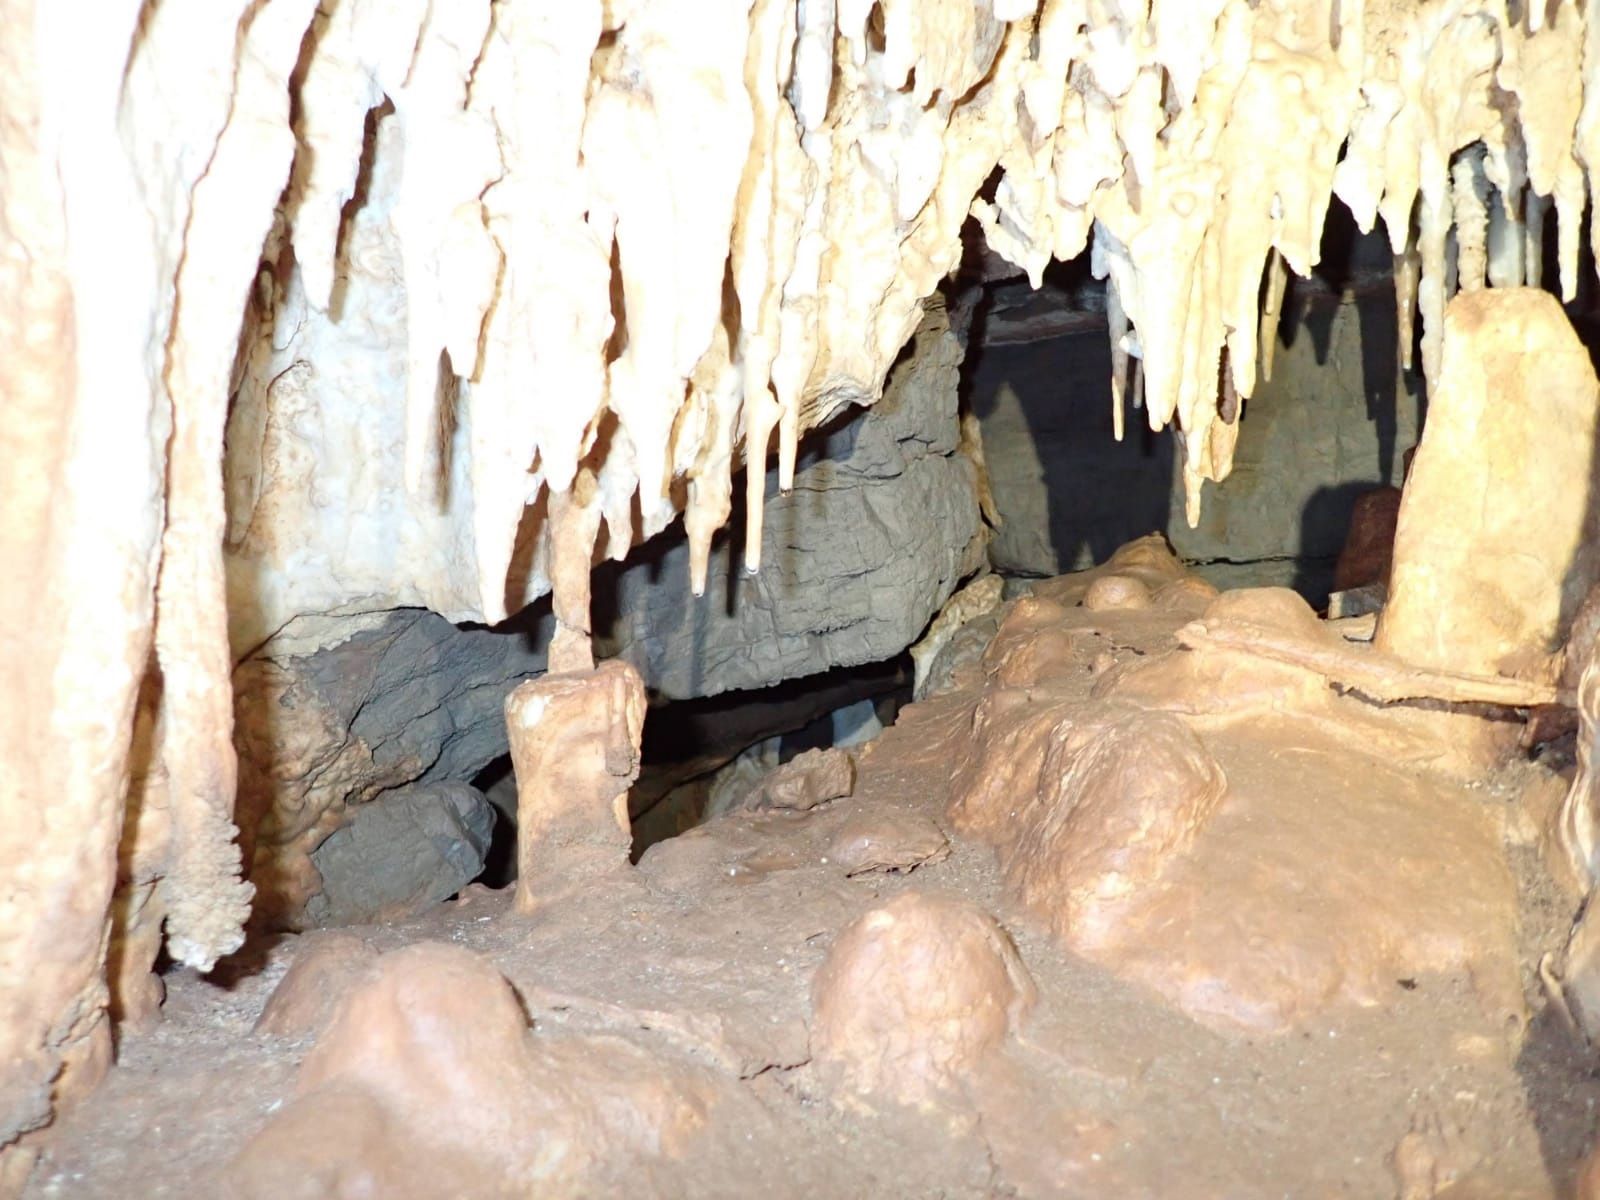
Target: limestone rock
x=887 y=840
x=575 y=740
x=1330 y=423
x=523 y=186
x=407 y=849
x=881 y=527
x=1496 y=544
x=913 y=995
x=971 y=602
x=1122 y=799
x=428 y=1082
x=334 y=710
x=807 y=780
x=409 y=699
x=1189 y=817
x=1369 y=546
x=1116 y=592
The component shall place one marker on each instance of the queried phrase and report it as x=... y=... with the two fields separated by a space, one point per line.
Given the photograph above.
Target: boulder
x=407 y=849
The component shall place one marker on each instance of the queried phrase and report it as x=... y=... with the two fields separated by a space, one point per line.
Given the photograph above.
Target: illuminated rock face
x=1496 y=543
x=487 y=254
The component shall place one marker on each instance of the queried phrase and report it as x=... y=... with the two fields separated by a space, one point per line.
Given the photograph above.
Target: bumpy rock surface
x=1121 y=795
x=1177 y=814
x=327 y=966
x=737 y=1017
x=575 y=750
x=894 y=840
x=407 y=849
x=1496 y=543
x=805 y=781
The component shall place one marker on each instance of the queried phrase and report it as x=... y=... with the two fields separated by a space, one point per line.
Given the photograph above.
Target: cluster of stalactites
x=648 y=236
x=644 y=237
x=1199 y=143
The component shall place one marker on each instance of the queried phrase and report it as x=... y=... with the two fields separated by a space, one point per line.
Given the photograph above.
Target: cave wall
x=1335 y=420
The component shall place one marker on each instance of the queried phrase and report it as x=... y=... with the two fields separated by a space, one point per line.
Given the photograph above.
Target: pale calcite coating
x=575 y=747
x=136 y=190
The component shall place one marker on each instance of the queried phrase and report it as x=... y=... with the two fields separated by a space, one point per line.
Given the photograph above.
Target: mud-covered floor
x=1331 y=990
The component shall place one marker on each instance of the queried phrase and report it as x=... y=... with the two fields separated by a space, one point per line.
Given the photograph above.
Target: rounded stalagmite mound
x=1116 y=592
x=913 y=996
x=326 y=967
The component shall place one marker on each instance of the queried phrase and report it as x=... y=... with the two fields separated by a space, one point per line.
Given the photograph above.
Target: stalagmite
x=1497 y=544
x=575 y=748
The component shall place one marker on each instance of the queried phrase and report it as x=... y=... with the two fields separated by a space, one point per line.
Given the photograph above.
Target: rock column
x=575 y=748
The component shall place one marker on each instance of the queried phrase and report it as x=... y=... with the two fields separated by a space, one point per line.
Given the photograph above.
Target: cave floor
x=1128 y=1078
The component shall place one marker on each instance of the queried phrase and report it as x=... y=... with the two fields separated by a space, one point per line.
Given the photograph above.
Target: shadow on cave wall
x=1071 y=494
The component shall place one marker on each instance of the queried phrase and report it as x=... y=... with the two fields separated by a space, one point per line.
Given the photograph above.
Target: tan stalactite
x=450 y=261
x=574 y=524
x=637 y=173
x=139 y=166
x=204 y=900
x=547 y=329
x=1117 y=328
x=1277 y=282
x=797 y=175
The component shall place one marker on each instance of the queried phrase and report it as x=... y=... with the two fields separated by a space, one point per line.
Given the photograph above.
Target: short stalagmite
x=575 y=747
x=912 y=997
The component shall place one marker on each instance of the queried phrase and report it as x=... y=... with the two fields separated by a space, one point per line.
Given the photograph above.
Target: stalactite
x=1277 y=282
x=574 y=524
x=1469 y=194
x=1117 y=328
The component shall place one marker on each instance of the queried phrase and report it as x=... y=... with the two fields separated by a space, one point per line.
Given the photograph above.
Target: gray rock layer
x=1333 y=422
x=410 y=848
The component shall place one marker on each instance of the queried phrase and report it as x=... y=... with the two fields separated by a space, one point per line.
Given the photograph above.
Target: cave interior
x=913 y=598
